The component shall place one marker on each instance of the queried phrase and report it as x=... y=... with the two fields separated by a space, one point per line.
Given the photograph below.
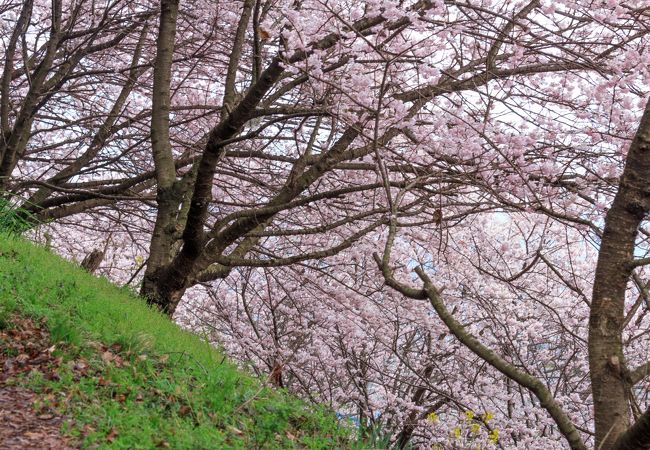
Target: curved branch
x=564 y=423
x=429 y=291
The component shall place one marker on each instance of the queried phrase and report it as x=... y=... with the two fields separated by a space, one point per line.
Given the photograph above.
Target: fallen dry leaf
x=184 y=410
x=21 y=425
x=237 y=431
x=80 y=365
x=108 y=357
x=112 y=434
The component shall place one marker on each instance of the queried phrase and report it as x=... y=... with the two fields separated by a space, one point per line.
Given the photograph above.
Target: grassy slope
x=157 y=386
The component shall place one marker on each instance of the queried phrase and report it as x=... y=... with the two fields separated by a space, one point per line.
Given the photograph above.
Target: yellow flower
x=456 y=432
x=432 y=417
x=139 y=259
x=488 y=416
x=469 y=414
x=494 y=436
x=475 y=428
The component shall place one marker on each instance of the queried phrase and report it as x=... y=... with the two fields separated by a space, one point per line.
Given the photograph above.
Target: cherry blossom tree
x=67 y=75
x=360 y=107
x=244 y=161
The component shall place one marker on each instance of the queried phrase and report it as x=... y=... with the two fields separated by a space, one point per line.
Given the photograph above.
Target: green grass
x=13 y=220
x=130 y=378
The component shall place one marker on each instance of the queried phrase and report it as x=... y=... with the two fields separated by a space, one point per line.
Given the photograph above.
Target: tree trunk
x=155 y=288
x=610 y=386
x=163 y=290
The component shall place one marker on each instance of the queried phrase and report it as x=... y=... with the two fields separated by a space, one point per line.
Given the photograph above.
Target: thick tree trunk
x=163 y=290
x=638 y=436
x=155 y=286
x=610 y=386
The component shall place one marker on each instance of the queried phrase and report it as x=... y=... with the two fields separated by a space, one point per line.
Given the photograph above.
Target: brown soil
x=27 y=421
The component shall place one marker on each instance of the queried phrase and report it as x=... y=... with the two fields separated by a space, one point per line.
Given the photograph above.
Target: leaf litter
x=27 y=420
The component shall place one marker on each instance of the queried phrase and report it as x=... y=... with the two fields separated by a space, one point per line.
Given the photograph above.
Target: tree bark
x=167 y=196
x=610 y=386
x=637 y=437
